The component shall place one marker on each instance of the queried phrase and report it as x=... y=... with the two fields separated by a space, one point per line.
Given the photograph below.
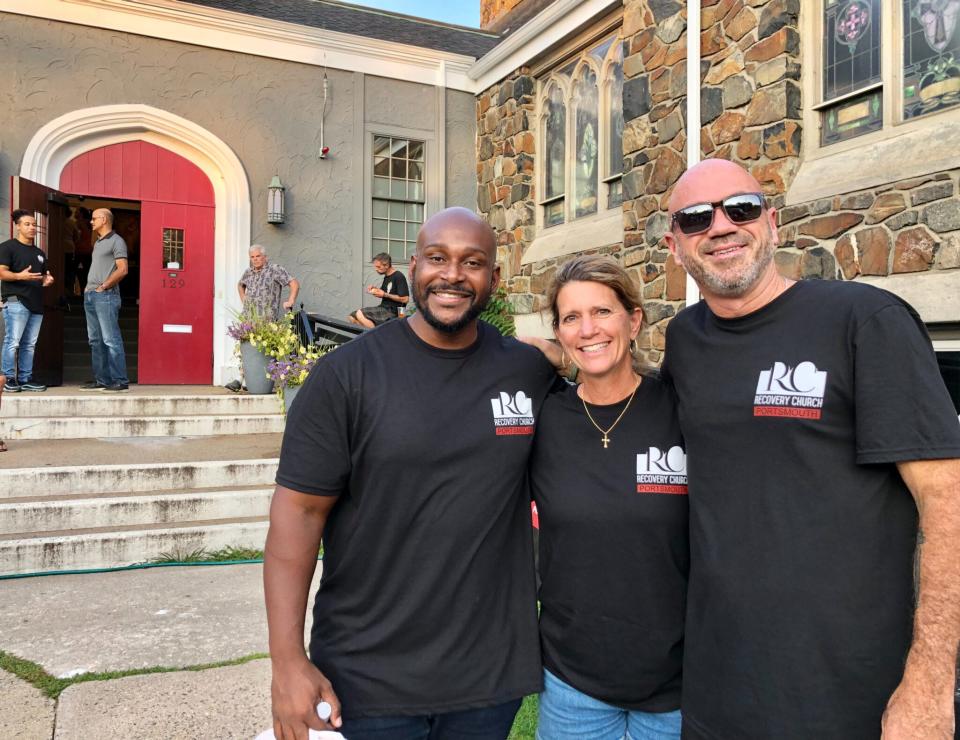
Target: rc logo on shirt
x=512 y=413
x=795 y=392
x=660 y=471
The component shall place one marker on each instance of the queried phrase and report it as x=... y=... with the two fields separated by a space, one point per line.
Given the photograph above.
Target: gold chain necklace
x=606 y=432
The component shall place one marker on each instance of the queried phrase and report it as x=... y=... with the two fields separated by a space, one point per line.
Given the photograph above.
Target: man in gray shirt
x=101 y=304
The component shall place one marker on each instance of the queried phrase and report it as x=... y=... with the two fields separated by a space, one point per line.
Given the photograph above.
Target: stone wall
x=505 y=182
x=749 y=112
x=904 y=227
x=492 y=10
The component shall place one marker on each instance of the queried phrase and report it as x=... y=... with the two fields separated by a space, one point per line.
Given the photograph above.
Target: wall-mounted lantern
x=275 y=201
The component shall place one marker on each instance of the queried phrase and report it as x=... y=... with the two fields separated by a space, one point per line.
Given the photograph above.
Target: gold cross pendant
x=606 y=441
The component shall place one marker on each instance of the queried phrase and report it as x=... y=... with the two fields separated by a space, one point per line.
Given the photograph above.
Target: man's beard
x=736 y=282
x=473 y=311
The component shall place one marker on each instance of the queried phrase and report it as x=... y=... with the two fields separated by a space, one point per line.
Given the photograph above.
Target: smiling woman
x=608 y=474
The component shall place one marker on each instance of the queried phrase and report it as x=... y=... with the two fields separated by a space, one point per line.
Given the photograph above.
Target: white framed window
x=399 y=194
x=580 y=132
x=878 y=68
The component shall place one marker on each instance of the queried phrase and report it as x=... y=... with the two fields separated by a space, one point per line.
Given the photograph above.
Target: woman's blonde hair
x=598 y=268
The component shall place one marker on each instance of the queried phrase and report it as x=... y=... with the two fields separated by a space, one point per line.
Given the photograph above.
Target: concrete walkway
x=173 y=617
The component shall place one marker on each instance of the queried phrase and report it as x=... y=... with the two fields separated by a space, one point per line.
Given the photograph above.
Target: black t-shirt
x=427 y=602
x=395 y=284
x=17 y=256
x=802 y=532
x=613 y=547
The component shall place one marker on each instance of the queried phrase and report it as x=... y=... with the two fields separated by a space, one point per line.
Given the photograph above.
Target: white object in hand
x=323 y=712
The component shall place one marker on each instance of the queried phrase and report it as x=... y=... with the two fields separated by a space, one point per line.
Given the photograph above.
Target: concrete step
x=101 y=548
x=64 y=513
x=24 y=482
x=98 y=404
x=82 y=427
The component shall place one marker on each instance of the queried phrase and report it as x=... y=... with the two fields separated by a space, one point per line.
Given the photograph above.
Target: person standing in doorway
x=101 y=304
x=24 y=275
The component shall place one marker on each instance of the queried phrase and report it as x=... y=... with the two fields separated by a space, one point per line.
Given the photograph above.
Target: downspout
x=693 y=108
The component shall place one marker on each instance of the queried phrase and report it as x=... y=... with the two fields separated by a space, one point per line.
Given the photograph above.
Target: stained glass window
x=555 y=146
x=586 y=97
x=851 y=46
x=582 y=104
x=851 y=62
x=615 y=134
x=398 y=195
x=931 y=56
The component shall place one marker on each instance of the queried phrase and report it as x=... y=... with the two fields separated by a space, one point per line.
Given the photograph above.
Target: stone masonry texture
x=751 y=113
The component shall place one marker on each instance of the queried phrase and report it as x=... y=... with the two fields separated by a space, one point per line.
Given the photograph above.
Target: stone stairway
x=94 y=480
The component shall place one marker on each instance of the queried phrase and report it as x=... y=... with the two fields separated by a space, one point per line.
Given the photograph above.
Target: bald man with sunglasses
x=819 y=438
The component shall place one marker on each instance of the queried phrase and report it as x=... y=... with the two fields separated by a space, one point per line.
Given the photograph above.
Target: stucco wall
x=461 y=150
x=267 y=111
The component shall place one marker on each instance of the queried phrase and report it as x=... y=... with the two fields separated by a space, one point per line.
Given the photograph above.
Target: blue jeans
x=103 y=331
x=566 y=713
x=487 y=723
x=22 y=330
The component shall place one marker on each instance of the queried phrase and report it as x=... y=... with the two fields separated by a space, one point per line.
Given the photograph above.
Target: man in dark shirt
x=425 y=620
x=393 y=294
x=819 y=435
x=24 y=275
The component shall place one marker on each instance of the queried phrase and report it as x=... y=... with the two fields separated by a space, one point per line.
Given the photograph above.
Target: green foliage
x=498 y=314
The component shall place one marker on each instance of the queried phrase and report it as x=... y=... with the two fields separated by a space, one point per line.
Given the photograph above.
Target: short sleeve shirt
x=427 y=602
x=613 y=546
x=17 y=256
x=264 y=289
x=395 y=284
x=103 y=262
x=802 y=532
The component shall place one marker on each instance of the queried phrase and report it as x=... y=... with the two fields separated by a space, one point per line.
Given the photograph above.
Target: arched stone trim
x=74 y=133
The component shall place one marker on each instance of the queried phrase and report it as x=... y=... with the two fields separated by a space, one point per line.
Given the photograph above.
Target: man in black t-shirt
x=425 y=620
x=816 y=425
x=393 y=294
x=24 y=275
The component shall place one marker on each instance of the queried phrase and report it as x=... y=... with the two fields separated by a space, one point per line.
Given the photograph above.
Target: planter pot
x=255 y=369
x=289 y=393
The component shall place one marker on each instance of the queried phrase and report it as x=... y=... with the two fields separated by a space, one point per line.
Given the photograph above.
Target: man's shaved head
x=700 y=183
x=454 y=271
x=460 y=220
x=728 y=260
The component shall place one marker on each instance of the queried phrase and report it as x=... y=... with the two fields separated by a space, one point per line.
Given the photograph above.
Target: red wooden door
x=176 y=293
x=176 y=228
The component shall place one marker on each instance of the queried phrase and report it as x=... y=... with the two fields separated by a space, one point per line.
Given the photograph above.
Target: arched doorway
x=64 y=138
x=164 y=208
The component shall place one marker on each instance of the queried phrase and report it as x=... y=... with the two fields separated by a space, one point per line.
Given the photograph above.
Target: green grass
x=202 y=555
x=53 y=686
x=525 y=725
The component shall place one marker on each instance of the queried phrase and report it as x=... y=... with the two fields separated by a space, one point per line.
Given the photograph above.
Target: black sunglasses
x=739 y=209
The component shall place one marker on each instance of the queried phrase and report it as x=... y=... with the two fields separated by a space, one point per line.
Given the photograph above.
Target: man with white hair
x=261 y=286
x=261 y=291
